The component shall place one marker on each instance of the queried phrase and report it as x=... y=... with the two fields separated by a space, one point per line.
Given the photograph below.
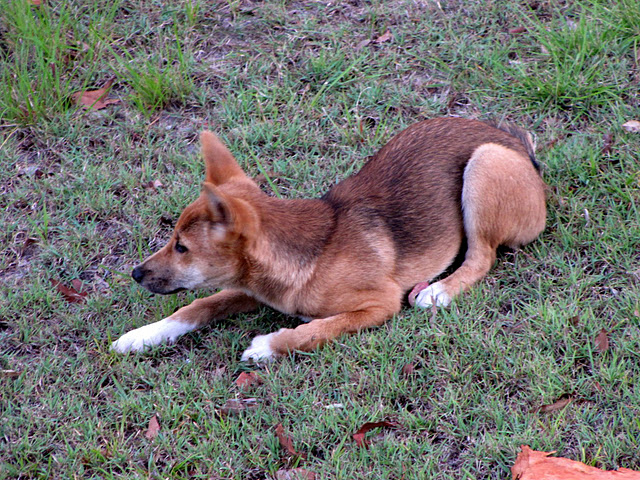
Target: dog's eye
x=180 y=248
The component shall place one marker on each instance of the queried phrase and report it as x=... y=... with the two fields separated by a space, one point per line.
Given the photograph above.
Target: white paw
x=167 y=330
x=433 y=294
x=260 y=350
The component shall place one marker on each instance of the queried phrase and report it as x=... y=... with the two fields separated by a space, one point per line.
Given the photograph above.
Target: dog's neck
x=293 y=234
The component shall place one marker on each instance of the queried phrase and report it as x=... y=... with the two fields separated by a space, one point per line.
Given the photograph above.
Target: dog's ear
x=219 y=163
x=229 y=214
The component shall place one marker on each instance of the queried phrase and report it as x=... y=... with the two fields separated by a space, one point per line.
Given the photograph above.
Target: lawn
x=545 y=351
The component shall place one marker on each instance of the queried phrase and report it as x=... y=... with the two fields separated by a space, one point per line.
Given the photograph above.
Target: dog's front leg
x=312 y=335
x=191 y=317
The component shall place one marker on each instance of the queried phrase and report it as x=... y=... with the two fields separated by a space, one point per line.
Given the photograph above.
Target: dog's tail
x=525 y=138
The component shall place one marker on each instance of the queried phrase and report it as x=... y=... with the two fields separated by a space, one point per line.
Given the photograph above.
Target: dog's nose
x=138 y=273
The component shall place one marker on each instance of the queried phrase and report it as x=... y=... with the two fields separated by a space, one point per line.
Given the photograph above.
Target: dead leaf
x=575 y=320
x=153 y=185
x=10 y=373
x=359 y=435
x=295 y=474
x=534 y=465
x=601 y=341
x=238 y=405
x=95 y=98
x=632 y=126
x=385 y=37
x=555 y=406
x=363 y=44
x=35 y=3
x=71 y=295
x=415 y=291
x=153 y=429
x=516 y=30
x=287 y=443
x=408 y=369
x=248 y=379
x=608 y=143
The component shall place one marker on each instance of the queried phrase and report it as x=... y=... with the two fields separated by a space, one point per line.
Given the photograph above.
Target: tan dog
x=347 y=259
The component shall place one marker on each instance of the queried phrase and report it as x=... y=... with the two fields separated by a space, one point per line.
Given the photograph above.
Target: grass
x=299 y=97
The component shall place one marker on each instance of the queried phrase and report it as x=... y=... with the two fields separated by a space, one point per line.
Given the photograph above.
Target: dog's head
x=208 y=243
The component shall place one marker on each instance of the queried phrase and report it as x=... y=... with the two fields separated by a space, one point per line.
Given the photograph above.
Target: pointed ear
x=220 y=165
x=230 y=213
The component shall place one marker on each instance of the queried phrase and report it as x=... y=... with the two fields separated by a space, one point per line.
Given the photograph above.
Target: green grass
x=286 y=86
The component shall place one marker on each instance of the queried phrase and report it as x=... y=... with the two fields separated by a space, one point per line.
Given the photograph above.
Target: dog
x=346 y=260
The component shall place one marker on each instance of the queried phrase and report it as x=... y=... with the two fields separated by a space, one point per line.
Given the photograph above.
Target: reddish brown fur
x=348 y=258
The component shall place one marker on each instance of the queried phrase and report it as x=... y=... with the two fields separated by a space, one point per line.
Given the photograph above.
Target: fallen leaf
x=238 y=405
x=153 y=429
x=35 y=3
x=363 y=44
x=517 y=30
x=555 y=406
x=601 y=341
x=153 y=185
x=608 y=143
x=385 y=37
x=71 y=295
x=295 y=474
x=408 y=369
x=95 y=98
x=287 y=443
x=535 y=465
x=632 y=126
x=10 y=373
x=248 y=379
x=415 y=291
x=575 y=320
x=359 y=435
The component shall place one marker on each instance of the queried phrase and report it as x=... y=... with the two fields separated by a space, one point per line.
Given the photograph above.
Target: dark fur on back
x=380 y=195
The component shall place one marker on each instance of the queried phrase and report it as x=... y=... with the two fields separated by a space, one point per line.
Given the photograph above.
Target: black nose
x=138 y=273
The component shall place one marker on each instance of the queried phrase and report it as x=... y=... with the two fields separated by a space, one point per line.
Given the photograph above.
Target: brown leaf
x=601 y=341
x=359 y=435
x=534 y=465
x=415 y=291
x=95 y=98
x=153 y=185
x=608 y=143
x=295 y=474
x=555 y=406
x=287 y=443
x=238 y=405
x=575 y=320
x=516 y=30
x=632 y=126
x=408 y=369
x=385 y=37
x=153 y=429
x=248 y=379
x=10 y=373
x=71 y=295
x=363 y=44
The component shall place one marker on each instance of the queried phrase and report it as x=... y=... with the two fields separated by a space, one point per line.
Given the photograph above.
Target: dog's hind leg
x=503 y=203
x=191 y=317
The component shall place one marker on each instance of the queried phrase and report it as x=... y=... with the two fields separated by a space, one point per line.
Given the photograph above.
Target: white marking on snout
x=434 y=293
x=260 y=350
x=192 y=277
x=166 y=330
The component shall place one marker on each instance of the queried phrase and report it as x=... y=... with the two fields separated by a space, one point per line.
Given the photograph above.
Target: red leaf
x=153 y=429
x=534 y=465
x=602 y=341
x=408 y=369
x=248 y=379
x=287 y=443
x=517 y=30
x=95 y=99
x=71 y=295
x=359 y=435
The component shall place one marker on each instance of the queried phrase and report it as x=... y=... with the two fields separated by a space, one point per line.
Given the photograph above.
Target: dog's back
x=412 y=189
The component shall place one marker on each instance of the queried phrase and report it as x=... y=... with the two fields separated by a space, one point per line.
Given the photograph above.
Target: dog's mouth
x=162 y=291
